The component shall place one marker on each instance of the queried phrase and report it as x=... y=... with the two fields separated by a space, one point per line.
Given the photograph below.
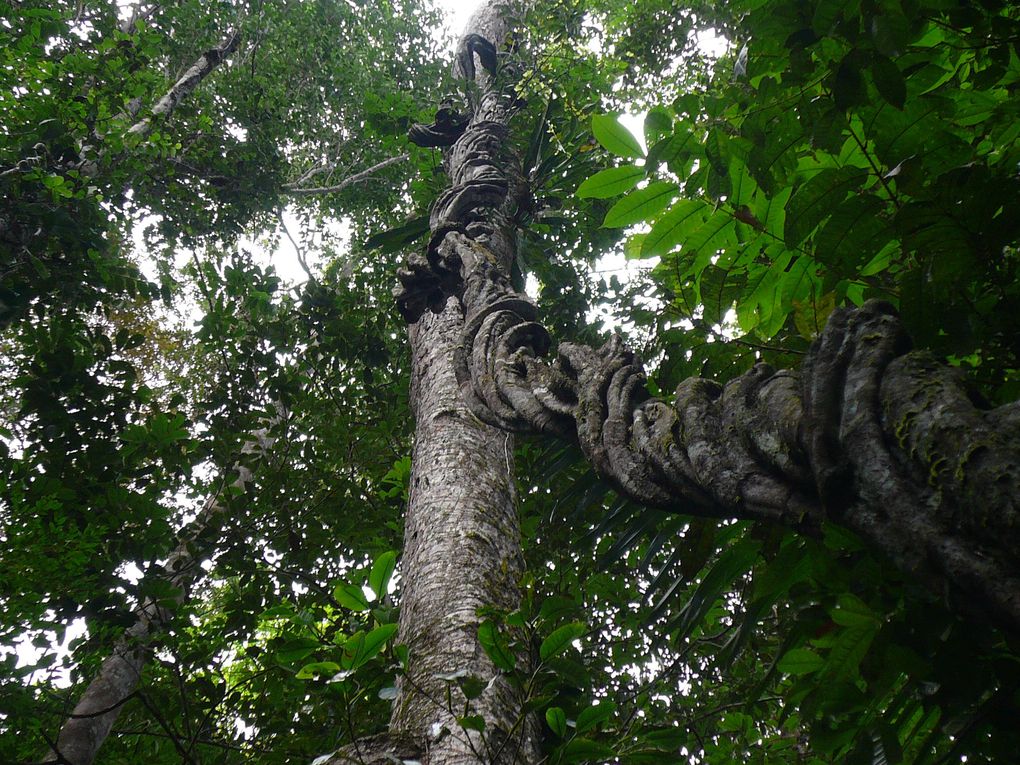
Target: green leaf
x=675 y=150
x=889 y=81
x=296 y=649
x=560 y=638
x=317 y=669
x=579 y=749
x=671 y=229
x=641 y=205
x=734 y=561
x=849 y=650
x=350 y=596
x=826 y=14
x=609 y=183
x=570 y=672
x=361 y=648
x=399 y=237
x=848 y=84
x=495 y=646
x=592 y=716
x=557 y=720
x=615 y=137
x=666 y=739
x=854 y=232
x=851 y=611
x=658 y=124
x=472 y=686
x=632 y=247
x=382 y=570
x=707 y=239
x=472 y=722
x=816 y=199
x=800 y=661
x=891 y=30
x=353 y=650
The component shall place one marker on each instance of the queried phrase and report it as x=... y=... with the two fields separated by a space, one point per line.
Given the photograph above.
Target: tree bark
x=116 y=682
x=462 y=548
x=187 y=82
x=461 y=553
x=866 y=435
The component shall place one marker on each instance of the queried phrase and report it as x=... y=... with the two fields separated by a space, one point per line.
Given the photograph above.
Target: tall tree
x=692 y=626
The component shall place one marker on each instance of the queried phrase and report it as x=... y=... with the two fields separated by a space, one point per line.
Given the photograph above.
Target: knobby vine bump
x=867 y=434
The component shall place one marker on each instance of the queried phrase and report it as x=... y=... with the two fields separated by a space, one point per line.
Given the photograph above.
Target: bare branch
x=127 y=25
x=190 y=80
x=85 y=730
x=345 y=183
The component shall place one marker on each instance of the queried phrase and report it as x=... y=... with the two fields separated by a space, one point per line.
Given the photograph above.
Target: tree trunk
x=866 y=435
x=462 y=548
x=116 y=682
x=461 y=553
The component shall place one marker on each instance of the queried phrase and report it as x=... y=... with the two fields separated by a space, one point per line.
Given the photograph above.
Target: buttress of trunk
x=461 y=552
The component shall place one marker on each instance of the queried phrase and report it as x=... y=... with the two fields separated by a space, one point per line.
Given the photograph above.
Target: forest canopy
x=205 y=468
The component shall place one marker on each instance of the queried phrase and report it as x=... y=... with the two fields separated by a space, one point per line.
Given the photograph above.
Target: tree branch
x=190 y=80
x=99 y=705
x=865 y=434
x=294 y=190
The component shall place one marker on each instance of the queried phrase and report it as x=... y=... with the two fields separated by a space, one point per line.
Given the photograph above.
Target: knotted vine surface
x=867 y=433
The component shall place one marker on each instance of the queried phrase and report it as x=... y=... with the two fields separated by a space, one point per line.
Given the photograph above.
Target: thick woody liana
x=867 y=434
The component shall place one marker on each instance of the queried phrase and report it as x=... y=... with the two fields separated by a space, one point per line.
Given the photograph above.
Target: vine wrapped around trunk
x=866 y=434
x=462 y=547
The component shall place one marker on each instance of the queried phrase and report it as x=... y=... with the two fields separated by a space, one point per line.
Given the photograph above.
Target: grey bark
x=462 y=548
x=461 y=553
x=867 y=434
x=186 y=83
x=296 y=189
x=116 y=682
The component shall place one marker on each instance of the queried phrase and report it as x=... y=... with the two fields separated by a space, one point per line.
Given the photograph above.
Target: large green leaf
x=609 y=183
x=615 y=137
x=591 y=717
x=817 y=198
x=400 y=236
x=672 y=228
x=361 y=647
x=382 y=570
x=581 y=749
x=557 y=720
x=560 y=639
x=800 y=661
x=641 y=205
x=297 y=649
x=351 y=596
x=495 y=645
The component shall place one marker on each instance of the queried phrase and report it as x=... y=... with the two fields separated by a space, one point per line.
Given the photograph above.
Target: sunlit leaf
x=609 y=183
x=640 y=205
x=560 y=638
x=615 y=137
